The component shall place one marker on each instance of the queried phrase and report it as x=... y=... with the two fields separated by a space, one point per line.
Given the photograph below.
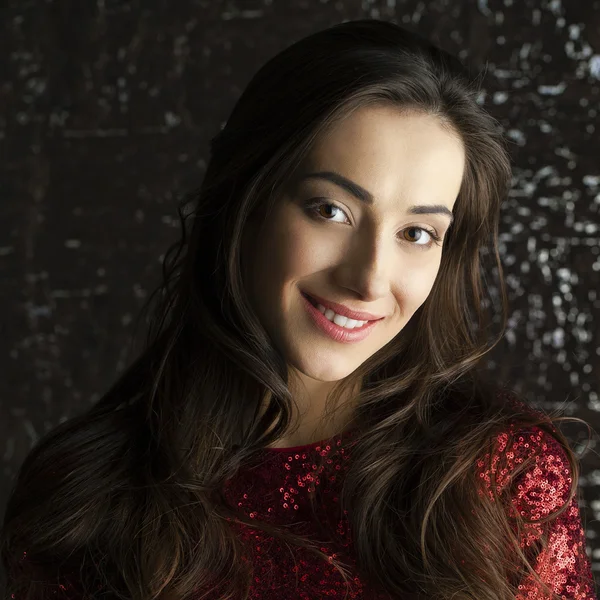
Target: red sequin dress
x=276 y=492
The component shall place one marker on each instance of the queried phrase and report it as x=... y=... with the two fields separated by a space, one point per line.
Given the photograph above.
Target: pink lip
x=334 y=331
x=340 y=309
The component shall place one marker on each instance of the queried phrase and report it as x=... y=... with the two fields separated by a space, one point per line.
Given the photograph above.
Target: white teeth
x=339 y=319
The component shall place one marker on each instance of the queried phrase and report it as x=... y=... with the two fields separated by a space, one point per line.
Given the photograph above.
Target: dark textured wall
x=106 y=111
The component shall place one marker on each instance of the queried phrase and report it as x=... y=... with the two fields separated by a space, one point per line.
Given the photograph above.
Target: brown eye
x=325 y=210
x=434 y=238
x=413 y=231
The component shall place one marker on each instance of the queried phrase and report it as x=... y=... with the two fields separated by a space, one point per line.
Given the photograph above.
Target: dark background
x=106 y=110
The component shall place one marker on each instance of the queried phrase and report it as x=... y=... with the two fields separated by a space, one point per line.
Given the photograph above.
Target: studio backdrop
x=107 y=109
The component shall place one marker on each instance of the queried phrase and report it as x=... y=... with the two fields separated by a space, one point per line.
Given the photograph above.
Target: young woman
x=310 y=417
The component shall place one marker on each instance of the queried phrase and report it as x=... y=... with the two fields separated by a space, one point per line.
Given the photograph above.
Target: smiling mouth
x=316 y=304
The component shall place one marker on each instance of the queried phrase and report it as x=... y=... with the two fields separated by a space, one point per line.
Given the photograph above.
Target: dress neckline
x=313 y=445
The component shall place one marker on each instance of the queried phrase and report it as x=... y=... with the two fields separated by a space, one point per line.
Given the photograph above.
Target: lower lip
x=335 y=332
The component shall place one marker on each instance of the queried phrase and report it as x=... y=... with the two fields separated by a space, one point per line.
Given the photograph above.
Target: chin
x=321 y=372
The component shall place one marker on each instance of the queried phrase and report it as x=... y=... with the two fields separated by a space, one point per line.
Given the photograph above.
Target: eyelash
x=313 y=206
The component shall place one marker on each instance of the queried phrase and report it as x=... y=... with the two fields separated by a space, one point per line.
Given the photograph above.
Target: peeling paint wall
x=106 y=112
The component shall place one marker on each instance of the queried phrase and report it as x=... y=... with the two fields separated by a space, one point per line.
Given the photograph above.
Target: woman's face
x=377 y=256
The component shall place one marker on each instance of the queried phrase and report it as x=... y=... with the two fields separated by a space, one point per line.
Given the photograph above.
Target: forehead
x=392 y=152
x=382 y=130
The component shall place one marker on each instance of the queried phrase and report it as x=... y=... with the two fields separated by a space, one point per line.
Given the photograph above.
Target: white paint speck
x=171 y=119
x=594 y=65
x=483 y=7
x=516 y=135
x=574 y=31
x=552 y=90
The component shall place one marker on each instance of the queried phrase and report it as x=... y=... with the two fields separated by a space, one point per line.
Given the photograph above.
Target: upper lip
x=340 y=309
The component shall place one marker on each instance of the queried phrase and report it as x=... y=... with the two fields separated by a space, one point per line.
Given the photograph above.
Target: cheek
x=279 y=256
x=302 y=250
x=415 y=285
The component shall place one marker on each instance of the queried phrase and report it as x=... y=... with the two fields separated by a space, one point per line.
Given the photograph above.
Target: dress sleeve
x=541 y=491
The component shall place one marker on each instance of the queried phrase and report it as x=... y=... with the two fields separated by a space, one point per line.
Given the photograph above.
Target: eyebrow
x=366 y=196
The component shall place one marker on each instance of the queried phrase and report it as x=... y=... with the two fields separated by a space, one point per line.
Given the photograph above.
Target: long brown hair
x=128 y=497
